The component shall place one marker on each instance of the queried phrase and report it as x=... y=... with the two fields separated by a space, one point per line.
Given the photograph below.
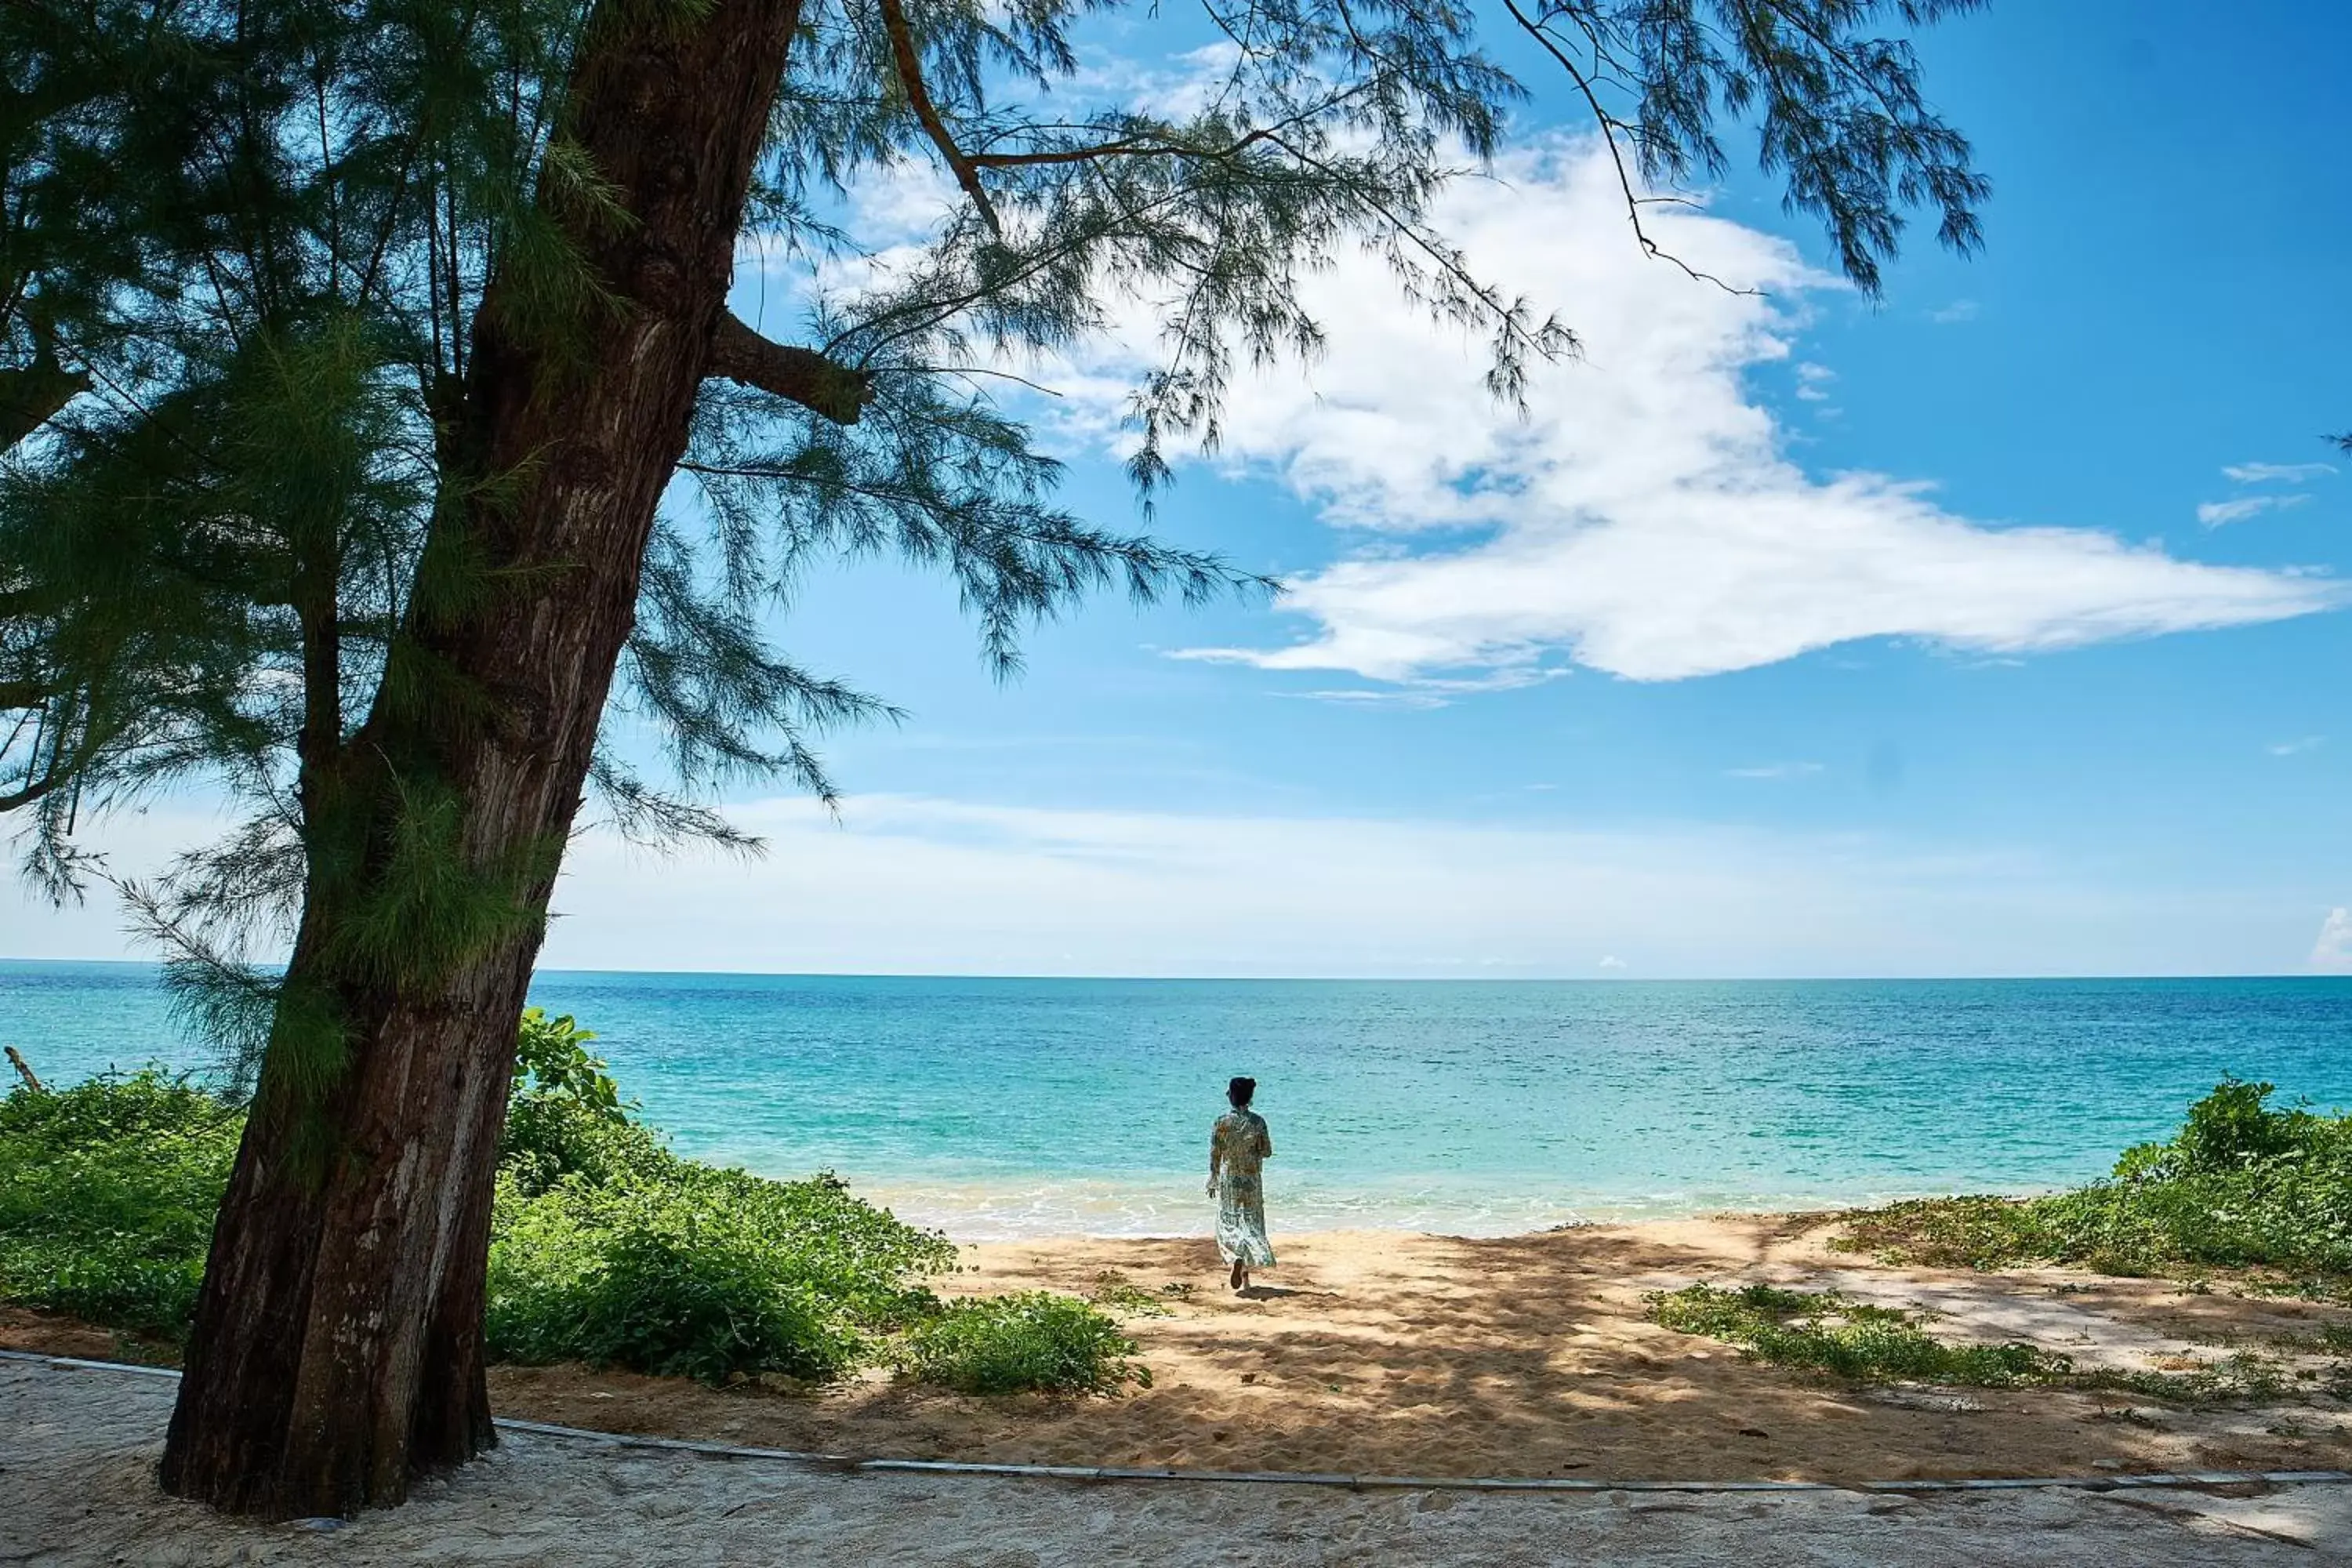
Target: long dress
x=1241 y=1144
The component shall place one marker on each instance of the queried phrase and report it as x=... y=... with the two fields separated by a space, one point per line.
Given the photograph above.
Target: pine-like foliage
x=246 y=251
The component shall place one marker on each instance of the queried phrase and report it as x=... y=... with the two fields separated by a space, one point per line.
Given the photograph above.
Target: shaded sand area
x=1381 y=1353
x=78 y=1453
x=1388 y=1353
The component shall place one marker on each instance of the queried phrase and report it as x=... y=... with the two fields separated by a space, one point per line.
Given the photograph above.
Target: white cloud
x=1775 y=771
x=2277 y=473
x=1958 y=310
x=2214 y=513
x=928 y=885
x=2296 y=748
x=2331 y=954
x=1643 y=519
x=1813 y=380
x=1611 y=964
x=1372 y=697
x=915 y=885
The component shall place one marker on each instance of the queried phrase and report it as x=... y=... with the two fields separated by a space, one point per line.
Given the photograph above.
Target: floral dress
x=1238 y=1145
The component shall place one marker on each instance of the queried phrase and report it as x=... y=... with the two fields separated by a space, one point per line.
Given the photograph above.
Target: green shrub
x=2234 y=1126
x=673 y=1298
x=551 y=1136
x=1004 y=1344
x=551 y=1060
x=108 y=1191
x=661 y=1264
x=2241 y=1185
x=1828 y=1332
x=605 y=1246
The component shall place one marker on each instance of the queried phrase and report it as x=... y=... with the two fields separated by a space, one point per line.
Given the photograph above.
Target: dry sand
x=1386 y=1353
x=1380 y=1353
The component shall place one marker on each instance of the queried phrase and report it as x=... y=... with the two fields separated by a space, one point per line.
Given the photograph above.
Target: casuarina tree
x=379 y=428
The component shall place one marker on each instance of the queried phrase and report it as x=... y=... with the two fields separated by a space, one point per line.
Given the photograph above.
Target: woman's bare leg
x=1240 y=1276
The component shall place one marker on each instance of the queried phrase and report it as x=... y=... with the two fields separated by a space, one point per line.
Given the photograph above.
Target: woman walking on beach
x=1238 y=1145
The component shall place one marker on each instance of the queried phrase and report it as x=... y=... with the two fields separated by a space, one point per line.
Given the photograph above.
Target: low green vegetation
x=996 y=1344
x=1115 y=1292
x=2245 y=1185
x=606 y=1246
x=1826 y=1331
x=107 y=1196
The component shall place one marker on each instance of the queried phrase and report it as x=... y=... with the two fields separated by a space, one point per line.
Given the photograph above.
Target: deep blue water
x=1000 y=1107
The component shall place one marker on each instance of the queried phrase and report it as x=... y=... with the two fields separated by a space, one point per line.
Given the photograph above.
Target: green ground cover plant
x=1829 y=1332
x=2243 y=1184
x=606 y=1246
x=1826 y=1332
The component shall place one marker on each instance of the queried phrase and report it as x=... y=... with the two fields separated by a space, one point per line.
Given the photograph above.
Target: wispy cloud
x=1775 y=771
x=1373 y=697
x=1643 y=517
x=912 y=884
x=930 y=885
x=2277 y=473
x=1958 y=310
x=1611 y=964
x=2296 y=748
x=1812 y=382
x=2214 y=513
x=2331 y=954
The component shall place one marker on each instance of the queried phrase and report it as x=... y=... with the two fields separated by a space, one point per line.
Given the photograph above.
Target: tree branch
x=919 y=99
x=823 y=387
x=1609 y=125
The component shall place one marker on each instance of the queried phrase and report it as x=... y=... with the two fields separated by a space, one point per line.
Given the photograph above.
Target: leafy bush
x=551 y=1060
x=608 y=1248
x=1000 y=1344
x=2233 y=1127
x=661 y=1294
x=552 y=1136
x=108 y=1191
x=1828 y=1332
x=2242 y=1184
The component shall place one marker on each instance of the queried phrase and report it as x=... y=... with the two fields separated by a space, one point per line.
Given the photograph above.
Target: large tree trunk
x=338 y=1343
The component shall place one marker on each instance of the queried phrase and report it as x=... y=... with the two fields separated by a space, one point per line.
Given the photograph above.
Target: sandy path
x=77 y=1452
x=1382 y=1353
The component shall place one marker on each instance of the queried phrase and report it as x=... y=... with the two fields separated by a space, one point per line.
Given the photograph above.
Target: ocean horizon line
x=1484 y=977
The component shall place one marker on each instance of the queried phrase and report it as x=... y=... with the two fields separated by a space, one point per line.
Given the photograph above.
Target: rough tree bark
x=337 y=1351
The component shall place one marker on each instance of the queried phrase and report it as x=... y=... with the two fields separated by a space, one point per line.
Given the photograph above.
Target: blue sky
x=1676 y=698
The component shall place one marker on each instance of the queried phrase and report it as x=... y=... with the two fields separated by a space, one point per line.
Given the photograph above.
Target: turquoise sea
x=1000 y=1108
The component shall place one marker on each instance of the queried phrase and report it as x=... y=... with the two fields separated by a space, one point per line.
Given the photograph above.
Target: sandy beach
x=1382 y=1353
x=1395 y=1353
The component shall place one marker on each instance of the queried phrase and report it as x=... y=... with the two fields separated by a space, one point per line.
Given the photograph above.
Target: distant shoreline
x=1527 y=977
